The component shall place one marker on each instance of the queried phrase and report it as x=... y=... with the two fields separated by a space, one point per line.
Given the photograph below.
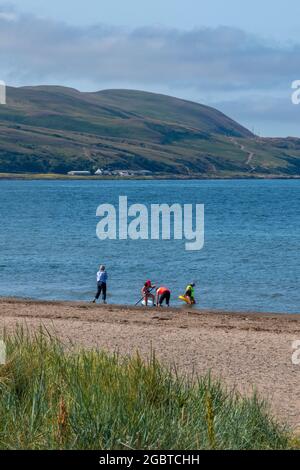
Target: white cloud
x=7 y=16
x=207 y=64
x=222 y=58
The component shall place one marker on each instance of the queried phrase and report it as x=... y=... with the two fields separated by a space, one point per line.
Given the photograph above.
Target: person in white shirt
x=101 y=284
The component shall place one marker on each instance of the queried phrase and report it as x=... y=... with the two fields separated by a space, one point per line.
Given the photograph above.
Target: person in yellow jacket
x=190 y=294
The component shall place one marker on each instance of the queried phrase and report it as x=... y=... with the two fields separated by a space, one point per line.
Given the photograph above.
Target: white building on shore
x=79 y=173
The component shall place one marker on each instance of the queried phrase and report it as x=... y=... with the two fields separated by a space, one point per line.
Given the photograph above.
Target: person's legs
x=97 y=293
x=168 y=295
x=162 y=298
x=104 y=291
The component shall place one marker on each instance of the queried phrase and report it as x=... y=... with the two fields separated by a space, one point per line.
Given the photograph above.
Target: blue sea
x=250 y=260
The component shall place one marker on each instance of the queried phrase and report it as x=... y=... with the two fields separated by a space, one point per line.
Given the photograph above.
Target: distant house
x=79 y=173
x=143 y=172
x=122 y=173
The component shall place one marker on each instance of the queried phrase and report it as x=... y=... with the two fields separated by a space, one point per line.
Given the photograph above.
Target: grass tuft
x=53 y=399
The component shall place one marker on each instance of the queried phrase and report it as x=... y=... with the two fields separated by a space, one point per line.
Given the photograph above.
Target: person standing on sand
x=101 y=284
x=163 y=293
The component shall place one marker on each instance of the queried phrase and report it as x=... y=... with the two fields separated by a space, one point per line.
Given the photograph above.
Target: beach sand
x=248 y=351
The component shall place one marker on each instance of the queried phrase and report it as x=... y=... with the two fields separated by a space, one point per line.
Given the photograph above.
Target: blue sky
x=240 y=57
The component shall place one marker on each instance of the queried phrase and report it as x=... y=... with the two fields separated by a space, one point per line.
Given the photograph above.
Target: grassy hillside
x=55 y=129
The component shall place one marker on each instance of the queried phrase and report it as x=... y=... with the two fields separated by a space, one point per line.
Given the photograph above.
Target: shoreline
x=171 y=309
x=247 y=351
x=62 y=177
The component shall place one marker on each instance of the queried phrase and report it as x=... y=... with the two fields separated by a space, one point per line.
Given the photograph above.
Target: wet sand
x=248 y=351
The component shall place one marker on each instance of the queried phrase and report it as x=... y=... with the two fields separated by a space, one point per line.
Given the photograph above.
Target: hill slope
x=57 y=129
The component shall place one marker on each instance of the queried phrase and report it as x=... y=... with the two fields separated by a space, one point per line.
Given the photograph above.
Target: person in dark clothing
x=101 y=284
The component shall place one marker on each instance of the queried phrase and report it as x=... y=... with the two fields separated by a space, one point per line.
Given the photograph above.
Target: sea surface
x=250 y=260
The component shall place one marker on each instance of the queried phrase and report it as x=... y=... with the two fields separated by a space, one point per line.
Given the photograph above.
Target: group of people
x=162 y=294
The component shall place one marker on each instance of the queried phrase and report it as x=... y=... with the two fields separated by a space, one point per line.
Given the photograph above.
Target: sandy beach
x=248 y=351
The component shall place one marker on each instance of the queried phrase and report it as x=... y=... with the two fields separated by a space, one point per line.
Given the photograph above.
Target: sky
x=239 y=57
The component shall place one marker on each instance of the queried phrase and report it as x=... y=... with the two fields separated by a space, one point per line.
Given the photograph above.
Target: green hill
x=56 y=129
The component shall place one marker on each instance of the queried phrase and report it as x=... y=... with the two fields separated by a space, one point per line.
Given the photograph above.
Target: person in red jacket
x=146 y=292
x=163 y=293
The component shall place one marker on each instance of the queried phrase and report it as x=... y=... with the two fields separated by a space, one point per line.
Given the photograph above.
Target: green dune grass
x=54 y=398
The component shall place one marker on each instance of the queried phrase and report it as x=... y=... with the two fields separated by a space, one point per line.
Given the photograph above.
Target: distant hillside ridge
x=57 y=129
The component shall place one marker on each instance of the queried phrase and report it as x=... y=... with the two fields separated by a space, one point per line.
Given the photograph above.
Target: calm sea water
x=250 y=261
